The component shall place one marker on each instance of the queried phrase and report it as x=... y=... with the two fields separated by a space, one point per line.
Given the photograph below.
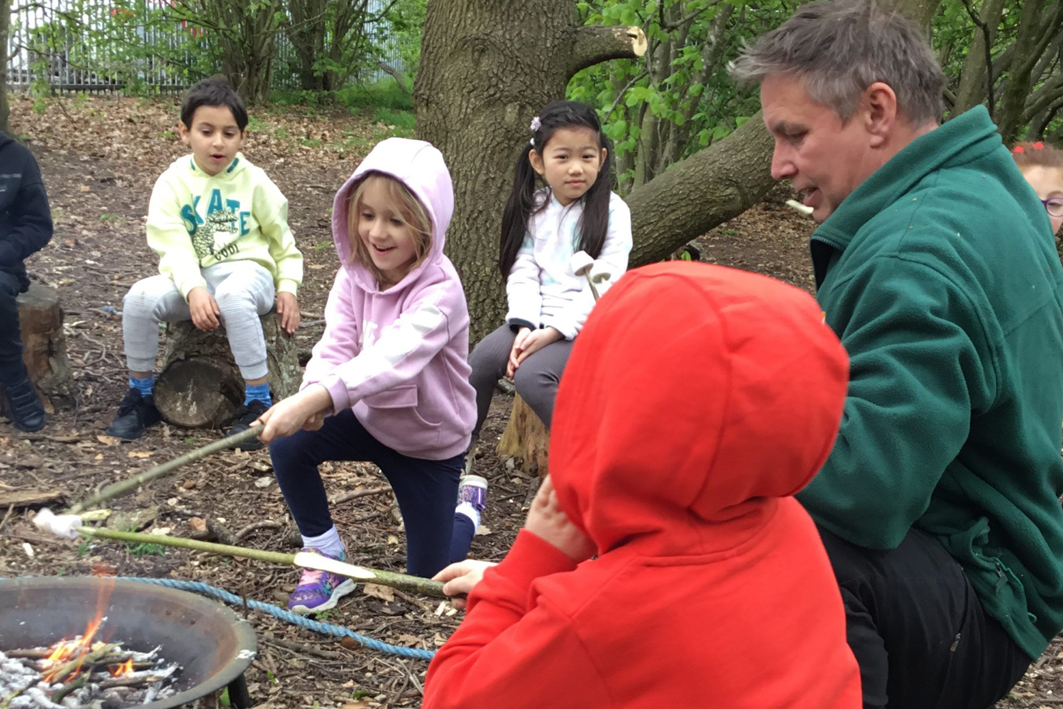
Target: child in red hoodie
x=697 y=400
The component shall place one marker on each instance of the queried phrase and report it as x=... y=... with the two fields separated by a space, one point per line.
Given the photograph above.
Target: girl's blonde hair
x=1037 y=154
x=406 y=205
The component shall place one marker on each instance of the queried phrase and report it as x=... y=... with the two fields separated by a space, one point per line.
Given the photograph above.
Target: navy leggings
x=426 y=490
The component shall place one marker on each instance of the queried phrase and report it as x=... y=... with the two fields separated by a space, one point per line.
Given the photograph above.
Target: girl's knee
x=287 y=451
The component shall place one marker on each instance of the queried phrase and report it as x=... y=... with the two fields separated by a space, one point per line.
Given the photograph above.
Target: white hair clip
x=535 y=124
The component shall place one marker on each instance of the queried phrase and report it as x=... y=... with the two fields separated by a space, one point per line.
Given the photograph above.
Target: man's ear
x=182 y=130
x=536 y=161
x=878 y=111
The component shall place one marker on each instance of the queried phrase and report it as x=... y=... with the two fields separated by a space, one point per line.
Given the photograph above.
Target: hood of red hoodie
x=695 y=396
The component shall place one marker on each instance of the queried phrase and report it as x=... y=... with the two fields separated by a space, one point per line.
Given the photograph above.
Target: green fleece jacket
x=941 y=279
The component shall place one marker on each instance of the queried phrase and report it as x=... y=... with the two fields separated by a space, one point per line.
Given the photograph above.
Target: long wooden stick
x=403 y=582
x=123 y=486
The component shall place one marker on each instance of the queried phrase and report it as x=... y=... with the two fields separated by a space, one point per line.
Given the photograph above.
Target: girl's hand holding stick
x=305 y=410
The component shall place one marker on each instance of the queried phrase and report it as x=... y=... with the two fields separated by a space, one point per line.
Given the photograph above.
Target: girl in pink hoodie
x=389 y=381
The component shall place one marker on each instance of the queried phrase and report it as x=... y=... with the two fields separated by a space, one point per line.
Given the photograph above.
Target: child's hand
x=288 y=309
x=294 y=413
x=204 y=309
x=460 y=577
x=514 y=352
x=549 y=523
x=536 y=341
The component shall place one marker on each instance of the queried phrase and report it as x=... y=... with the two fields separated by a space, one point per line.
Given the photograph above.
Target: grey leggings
x=243 y=290
x=536 y=378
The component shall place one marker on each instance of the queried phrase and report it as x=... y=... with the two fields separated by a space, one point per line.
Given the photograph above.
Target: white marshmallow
x=60 y=525
x=581 y=263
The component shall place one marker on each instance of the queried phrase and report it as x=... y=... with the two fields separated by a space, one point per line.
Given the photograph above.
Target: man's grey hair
x=840 y=47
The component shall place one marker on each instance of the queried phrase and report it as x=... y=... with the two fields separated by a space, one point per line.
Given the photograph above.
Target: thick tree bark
x=696 y=194
x=487 y=68
x=40 y=317
x=526 y=438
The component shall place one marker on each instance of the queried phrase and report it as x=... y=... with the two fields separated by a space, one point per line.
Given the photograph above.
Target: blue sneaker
x=318 y=590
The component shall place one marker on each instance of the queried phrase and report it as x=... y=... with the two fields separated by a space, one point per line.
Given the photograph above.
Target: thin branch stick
x=124 y=486
x=348 y=496
x=404 y=582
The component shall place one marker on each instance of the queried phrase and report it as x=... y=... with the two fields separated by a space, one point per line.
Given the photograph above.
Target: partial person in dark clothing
x=25 y=227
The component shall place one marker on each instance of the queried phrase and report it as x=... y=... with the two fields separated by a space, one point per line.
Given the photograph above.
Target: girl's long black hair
x=521 y=205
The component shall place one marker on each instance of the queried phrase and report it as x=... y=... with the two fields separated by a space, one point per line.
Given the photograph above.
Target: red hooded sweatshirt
x=697 y=400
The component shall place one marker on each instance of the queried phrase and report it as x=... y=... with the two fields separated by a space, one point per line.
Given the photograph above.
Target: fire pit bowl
x=212 y=644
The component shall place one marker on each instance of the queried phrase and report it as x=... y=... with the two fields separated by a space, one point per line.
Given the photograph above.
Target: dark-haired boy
x=25 y=227
x=226 y=255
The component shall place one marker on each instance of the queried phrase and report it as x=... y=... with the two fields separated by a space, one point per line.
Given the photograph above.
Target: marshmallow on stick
x=583 y=265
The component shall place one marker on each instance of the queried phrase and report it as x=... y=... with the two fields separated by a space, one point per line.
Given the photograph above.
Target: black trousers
x=918 y=630
x=12 y=370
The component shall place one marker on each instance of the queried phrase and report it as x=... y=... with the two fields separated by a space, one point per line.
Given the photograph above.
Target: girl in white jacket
x=541 y=229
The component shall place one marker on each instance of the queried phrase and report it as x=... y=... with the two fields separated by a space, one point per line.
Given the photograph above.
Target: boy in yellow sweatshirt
x=226 y=256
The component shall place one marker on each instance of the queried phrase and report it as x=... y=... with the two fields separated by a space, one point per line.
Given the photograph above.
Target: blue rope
x=286 y=615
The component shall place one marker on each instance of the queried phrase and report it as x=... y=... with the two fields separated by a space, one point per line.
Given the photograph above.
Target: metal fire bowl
x=212 y=644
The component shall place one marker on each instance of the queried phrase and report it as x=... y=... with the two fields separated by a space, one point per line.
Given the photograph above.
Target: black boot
x=27 y=411
x=135 y=413
x=245 y=416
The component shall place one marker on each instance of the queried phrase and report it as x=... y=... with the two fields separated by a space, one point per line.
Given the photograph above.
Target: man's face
x=824 y=157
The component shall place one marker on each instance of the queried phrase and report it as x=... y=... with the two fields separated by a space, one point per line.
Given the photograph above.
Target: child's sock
x=145 y=386
x=465 y=508
x=329 y=543
x=257 y=392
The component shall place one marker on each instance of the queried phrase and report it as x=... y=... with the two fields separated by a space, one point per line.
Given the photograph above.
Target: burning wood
x=84 y=674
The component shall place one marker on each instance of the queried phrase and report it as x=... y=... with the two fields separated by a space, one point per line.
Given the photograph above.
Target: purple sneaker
x=472 y=489
x=318 y=590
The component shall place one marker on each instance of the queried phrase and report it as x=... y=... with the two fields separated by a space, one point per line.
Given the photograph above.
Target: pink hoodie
x=399 y=357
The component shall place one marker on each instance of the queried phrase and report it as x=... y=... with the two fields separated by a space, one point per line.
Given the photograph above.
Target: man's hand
x=460 y=577
x=303 y=410
x=514 y=352
x=204 y=309
x=288 y=309
x=549 y=523
x=536 y=341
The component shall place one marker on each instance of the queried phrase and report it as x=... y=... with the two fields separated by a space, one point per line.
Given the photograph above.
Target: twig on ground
x=348 y=496
x=312 y=651
x=255 y=526
x=10 y=511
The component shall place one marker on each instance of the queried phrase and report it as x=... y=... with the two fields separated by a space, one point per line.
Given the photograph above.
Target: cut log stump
x=200 y=385
x=40 y=318
x=526 y=438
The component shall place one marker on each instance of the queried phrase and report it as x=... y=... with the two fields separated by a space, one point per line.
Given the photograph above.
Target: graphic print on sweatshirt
x=216 y=236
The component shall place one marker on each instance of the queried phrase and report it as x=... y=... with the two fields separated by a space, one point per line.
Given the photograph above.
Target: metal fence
x=167 y=61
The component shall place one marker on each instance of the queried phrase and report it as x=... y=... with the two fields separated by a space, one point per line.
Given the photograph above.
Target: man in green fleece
x=939 y=505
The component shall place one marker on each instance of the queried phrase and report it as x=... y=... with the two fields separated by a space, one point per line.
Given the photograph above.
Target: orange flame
x=123 y=669
x=64 y=650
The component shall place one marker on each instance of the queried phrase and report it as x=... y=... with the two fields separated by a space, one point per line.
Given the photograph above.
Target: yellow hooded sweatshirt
x=196 y=220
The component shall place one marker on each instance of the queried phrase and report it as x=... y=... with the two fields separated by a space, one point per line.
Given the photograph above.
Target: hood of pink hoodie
x=418 y=165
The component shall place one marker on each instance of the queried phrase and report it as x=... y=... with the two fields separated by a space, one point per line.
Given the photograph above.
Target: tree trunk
x=696 y=194
x=1036 y=29
x=526 y=438
x=40 y=319
x=200 y=385
x=973 y=85
x=5 y=24
x=487 y=68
